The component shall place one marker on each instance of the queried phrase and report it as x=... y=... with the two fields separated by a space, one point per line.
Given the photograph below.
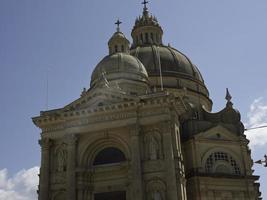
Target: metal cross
x=118 y=22
x=145 y=2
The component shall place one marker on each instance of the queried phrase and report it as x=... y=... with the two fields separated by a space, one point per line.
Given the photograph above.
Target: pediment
x=99 y=97
x=218 y=132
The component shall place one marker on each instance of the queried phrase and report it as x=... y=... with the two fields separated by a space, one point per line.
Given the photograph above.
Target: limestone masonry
x=144 y=130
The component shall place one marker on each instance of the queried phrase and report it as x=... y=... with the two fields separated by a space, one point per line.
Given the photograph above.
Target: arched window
x=109 y=155
x=122 y=48
x=116 y=48
x=221 y=162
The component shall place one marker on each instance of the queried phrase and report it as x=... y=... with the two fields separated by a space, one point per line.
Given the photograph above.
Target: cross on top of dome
x=118 y=22
x=145 y=2
x=118 y=42
x=145 y=11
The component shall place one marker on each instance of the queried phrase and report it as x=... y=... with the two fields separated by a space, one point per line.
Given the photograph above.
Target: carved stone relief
x=152 y=145
x=59 y=178
x=61 y=158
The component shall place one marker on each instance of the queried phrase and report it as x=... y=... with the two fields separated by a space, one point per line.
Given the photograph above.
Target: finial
x=145 y=2
x=228 y=97
x=118 y=22
x=145 y=8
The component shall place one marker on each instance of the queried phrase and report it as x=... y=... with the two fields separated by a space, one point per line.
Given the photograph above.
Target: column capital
x=71 y=139
x=45 y=143
x=166 y=126
x=135 y=130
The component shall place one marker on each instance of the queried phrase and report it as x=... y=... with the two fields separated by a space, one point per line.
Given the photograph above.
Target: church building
x=144 y=130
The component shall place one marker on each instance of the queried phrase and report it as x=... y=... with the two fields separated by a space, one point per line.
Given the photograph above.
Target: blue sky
x=66 y=39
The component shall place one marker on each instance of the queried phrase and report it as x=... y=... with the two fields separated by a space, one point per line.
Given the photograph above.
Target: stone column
x=169 y=162
x=136 y=186
x=45 y=144
x=71 y=167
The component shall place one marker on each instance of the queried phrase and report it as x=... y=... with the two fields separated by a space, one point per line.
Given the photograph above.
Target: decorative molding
x=45 y=143
x=153 y=166
x=71 y=139
x=135 y=130
x=58 y=178
x=54 y=120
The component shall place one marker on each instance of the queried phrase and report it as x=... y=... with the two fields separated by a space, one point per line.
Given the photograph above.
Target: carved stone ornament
x=152 y=143
x=135 y=130
x=45 y=143
x=59 y=178
x=61 y=158
x=71 y=139
x=156 y=190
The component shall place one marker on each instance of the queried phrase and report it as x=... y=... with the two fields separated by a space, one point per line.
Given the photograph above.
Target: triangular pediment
x=99 y=97
x=218 y=132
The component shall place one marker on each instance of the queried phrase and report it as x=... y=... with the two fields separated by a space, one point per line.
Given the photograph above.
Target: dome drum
x=147 y=35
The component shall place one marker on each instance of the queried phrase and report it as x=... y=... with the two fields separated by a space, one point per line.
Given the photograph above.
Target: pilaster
x=45 y=144
x=169 y=162
x=136 y=191
x=71 y=167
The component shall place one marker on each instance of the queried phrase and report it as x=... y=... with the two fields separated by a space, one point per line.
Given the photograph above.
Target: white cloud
x=257 y=117
x=21 y=186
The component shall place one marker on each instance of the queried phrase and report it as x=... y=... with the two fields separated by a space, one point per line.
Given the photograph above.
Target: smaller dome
x=117 y=36
x=119 y=66
x=118 y=43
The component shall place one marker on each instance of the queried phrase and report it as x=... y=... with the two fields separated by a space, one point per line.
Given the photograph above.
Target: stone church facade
x=144 y=130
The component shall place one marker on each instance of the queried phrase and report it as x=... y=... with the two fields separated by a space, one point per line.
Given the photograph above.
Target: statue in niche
x=152 y=147
x=156 y=190
x=61 y=159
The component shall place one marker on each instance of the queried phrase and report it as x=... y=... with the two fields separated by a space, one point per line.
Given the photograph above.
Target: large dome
x=119 y=66
x=172 y=62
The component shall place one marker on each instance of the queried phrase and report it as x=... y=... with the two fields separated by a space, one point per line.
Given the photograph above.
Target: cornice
x=62 y=119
